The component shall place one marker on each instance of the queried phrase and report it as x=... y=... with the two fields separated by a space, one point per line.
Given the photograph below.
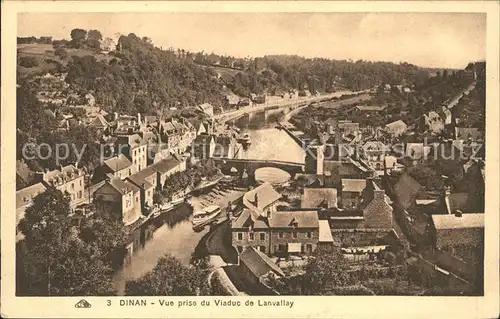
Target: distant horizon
x=427 y=40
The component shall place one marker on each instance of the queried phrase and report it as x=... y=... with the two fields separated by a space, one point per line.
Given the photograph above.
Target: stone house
x=68 y=179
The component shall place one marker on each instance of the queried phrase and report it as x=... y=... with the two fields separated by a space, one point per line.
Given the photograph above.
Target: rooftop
x=118 y=163
x=450 y=221
x=319 y=197
x=258 y=263
x=25 y=195
x=353 y=185
x=325 y=234
x=260 y=197
x=406 y=190
x=294 y=219
x=123 y=187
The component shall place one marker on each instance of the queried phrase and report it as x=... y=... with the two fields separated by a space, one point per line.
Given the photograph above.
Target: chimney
x=116 y=116
x=139 y=119
x=379 y=194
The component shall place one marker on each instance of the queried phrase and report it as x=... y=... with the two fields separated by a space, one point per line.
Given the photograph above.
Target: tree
x=53 y=260
x=325 y=270
x=28 y=61
x=61 y=52
x=78 y=37
x=94 y=38
x=171 y=278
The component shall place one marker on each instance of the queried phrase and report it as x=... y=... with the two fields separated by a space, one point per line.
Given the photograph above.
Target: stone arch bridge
x=250 y=166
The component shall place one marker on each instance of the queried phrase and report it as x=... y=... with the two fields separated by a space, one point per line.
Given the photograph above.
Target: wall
x=246 y=239
x=288 y=238
x=378 y=214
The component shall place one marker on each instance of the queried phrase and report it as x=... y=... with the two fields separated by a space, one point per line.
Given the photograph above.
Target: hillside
x=136 y=76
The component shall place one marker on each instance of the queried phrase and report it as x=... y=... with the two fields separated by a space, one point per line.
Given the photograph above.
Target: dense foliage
x=60 y=256
x=171 y=278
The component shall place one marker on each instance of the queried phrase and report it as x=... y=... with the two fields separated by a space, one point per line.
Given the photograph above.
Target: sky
x=441 y=40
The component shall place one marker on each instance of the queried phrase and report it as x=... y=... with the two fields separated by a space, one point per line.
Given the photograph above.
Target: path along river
x=175 y=235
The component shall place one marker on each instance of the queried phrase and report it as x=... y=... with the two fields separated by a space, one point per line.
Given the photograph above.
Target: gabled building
x=374 y=152
x=396 y=128
x=117 y=167
x=25 y=196
x=203 y=147
x=121 y=199
x=206 y=108
x=134 y=148
x=319 y=198
x=351 y=191
x=406 y=191
x=68 y=179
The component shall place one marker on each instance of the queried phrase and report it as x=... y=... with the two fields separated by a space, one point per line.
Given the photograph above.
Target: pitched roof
x=123 y=187
x=118 y=163
x=258 y=263
x=406 y=190
x=245 y=220
x=287 y=219
x=396 y=125
x=25 y=195
x=260 y=197
x=99 y=121
x=325 y=233
x=371 y=107
x=140 y=177
x=165 y=165
x=353 y=185
x=450 y=221
x=319 y=197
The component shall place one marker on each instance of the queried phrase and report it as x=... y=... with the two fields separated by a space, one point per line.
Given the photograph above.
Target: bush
x=61 y=52
x=28 y=62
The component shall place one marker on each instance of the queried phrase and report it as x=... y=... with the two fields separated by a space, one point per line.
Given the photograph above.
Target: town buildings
x=68 y=179
x=270 y=231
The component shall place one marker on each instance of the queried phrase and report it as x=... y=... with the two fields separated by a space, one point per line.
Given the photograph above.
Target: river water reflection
x=174 y=234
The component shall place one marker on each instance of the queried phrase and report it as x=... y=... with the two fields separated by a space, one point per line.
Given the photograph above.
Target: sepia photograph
x=253 y=154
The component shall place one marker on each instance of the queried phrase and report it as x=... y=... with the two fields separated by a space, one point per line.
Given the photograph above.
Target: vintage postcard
x=250 y=159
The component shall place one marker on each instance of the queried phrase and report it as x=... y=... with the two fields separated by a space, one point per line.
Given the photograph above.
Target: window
x=137 y=199
x=251 y=236
x=295 y=235
x=281 y=234
x=72 y=186
x=135 y=152
x=309 y=235
x=262 y=236
x=240 y=249
x=79 y=194
x=240 y=236
x=262 y=249
x=80 y=182
x=309 y=248
x=129 y=172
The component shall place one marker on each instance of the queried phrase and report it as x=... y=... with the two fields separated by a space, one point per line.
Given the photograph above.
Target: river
x=174 y=234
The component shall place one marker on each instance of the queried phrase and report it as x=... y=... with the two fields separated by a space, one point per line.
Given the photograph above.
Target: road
x=226 y=116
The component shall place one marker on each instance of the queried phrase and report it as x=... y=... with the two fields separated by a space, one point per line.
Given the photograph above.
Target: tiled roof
x=245 y=221
x=258 y=263
x=260 y=197
x=25 y=195
x=66 y=174
x=123 y=187
x=353 y=185
x=396 y=125
x=406 y=190
x=140 y=177
x=165 y=165
x=319 y=197
x=371 y=107
x=118 y=163
x=99 y=121
x=450 y=221
x=325 y=233
x=287 y=219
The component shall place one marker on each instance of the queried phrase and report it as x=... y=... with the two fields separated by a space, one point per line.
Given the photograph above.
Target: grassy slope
x=44 y=52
